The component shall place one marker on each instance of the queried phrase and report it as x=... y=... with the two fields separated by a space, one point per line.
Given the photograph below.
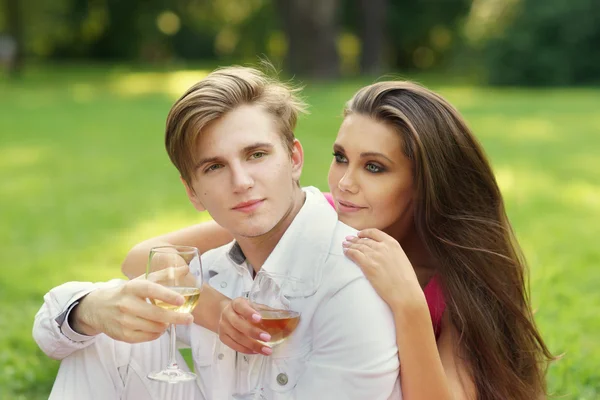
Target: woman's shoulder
x=329 y=198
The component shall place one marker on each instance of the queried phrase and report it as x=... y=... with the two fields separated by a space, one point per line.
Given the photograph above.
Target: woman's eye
x=373 y=168
x=339 y=158
x=258 y=154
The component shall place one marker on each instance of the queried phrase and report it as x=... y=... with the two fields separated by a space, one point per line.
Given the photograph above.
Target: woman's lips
x=346 y=206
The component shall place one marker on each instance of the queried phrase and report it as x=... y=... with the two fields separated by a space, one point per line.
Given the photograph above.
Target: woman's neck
x=422 y=262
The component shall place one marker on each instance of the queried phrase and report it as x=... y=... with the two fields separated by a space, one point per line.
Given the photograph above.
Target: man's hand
x=236 y=329
x=124 y=314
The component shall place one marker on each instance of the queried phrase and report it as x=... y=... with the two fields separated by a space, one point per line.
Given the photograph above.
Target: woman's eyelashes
x=339 y=157
x=374 y=168
x=370 y=166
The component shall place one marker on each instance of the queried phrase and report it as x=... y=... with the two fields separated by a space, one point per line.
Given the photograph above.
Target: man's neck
x=257 y=249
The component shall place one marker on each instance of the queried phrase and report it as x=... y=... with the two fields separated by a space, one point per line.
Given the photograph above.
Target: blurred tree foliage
x=546 y=43
x=314 y=37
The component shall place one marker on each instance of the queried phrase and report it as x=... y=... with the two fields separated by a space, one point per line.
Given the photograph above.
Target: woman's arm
x=205 y=236
x=428 y=370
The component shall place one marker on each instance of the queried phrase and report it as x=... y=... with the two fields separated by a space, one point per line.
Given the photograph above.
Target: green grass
x=84 y=176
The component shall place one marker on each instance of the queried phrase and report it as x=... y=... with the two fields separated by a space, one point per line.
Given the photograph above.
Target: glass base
x=172 y=375
x=257 y=395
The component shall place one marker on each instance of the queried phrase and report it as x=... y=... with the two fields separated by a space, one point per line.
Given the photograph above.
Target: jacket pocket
x=285 y=369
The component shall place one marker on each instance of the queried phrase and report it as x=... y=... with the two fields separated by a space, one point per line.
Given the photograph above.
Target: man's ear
x=191 y=194
x=297 y=160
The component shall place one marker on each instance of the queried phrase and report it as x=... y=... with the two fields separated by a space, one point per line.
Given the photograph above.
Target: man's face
x=245 y=177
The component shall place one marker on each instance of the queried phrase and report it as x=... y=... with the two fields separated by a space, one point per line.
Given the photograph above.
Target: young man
x=231 y=138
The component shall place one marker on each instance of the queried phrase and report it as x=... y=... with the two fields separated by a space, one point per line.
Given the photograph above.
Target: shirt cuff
x=65 y=328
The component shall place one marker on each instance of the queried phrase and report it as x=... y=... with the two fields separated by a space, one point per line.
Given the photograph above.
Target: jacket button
x=282 y=379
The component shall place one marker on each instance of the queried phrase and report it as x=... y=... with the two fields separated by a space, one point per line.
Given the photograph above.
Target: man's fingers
x=168 y=274
x=160 y=315
x=133 y=336
x=155 y=291
x=136 y=323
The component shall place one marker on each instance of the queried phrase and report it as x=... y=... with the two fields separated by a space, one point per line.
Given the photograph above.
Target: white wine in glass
x=179 y=269
x=191 y=296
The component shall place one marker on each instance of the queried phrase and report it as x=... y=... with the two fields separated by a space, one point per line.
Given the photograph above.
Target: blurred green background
x=85 y=86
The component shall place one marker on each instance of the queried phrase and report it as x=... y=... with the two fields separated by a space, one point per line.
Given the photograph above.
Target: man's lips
x=248 y=206
x=349 y=206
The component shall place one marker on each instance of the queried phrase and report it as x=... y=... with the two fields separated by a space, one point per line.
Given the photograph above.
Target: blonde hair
x=219 y=93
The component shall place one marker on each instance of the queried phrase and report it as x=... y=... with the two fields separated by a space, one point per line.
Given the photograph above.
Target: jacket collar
x=302 y=250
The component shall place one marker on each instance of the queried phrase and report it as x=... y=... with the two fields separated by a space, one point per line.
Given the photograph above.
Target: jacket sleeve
x=51 y=330
x=354 y=355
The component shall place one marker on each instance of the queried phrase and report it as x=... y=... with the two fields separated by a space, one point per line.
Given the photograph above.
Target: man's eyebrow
x=256 y=146
x=206 y=160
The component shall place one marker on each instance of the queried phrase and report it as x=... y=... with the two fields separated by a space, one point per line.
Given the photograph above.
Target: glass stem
x=258 y=390
x=172 y=348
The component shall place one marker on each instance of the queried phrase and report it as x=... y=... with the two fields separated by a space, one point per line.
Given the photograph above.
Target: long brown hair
x=460 y=218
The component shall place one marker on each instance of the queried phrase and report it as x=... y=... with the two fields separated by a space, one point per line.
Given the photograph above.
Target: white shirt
x=343 y=348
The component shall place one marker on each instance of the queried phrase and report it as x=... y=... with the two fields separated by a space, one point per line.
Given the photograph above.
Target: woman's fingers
x=361 y=245
x=242 y=343
x=232 y=344
x=243 y=308
x=244 y=327
x=373 y=234
x=240 y=330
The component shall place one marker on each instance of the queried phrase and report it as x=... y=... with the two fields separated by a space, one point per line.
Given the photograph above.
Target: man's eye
x=213 y=167
x=339 y=158
x=258 y=154
x=373 y=168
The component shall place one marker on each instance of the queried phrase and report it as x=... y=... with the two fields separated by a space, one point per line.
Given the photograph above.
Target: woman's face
x=370 y=178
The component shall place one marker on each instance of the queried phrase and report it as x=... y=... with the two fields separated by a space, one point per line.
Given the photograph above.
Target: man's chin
x=252 y=232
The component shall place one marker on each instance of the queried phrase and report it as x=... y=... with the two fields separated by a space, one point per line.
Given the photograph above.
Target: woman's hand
x=387 y=267
x=237 y=329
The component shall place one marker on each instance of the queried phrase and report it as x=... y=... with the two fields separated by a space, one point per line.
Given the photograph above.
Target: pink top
x=433 y=294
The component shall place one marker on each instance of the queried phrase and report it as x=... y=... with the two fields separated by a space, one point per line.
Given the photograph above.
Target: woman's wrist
x=408 y=303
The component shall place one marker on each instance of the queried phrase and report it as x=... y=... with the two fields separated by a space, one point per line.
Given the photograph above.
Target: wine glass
x=178 y=268
x=270 y=296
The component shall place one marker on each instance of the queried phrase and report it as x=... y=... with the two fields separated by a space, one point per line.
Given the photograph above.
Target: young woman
x=434 y=241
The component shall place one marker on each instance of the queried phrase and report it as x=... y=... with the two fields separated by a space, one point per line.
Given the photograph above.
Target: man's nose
x=241 y=178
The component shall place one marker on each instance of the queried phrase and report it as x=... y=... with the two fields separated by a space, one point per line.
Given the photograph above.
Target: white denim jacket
x=343 y=348
x=345 y=344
